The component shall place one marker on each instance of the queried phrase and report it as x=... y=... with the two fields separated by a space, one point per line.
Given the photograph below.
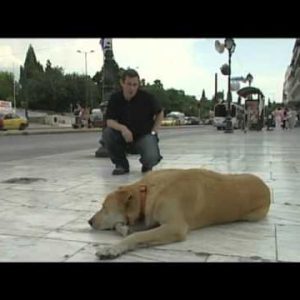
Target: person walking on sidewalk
x=133 y=119
x=278 y=114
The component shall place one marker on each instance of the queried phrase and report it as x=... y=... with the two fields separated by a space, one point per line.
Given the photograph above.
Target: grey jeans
x=146 y=146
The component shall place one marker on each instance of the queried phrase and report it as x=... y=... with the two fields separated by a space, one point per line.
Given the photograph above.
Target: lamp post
x=249 y=78
x=199 y=109
x=14 y=89
x=110 y=80
x=229 y=44
x=86 y=87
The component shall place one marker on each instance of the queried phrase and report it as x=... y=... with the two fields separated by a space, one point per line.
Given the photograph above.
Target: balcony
x=294 y=91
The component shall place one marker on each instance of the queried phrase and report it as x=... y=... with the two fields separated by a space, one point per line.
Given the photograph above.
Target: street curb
x=48 y=131
x=71 y=130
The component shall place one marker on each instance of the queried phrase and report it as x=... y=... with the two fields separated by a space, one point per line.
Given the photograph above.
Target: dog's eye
x=128 y=203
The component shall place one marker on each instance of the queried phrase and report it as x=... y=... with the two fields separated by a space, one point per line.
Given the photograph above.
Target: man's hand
x=157 y=121
x=127 y=134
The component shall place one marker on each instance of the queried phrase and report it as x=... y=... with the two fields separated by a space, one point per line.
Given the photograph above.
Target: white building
x=291 y=86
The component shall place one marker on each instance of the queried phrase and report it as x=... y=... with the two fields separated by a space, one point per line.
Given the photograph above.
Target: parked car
x=12 y=121
x=97 y=118
x=179 y=116
x=191 y=121
x=170 y=122
x=208 y=122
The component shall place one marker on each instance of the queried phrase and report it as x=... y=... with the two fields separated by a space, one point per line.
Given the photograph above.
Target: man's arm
x=115 y=125
x=157 y=121
x=126 y=133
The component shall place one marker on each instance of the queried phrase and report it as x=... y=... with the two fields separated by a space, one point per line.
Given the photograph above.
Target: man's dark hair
x=130 y=73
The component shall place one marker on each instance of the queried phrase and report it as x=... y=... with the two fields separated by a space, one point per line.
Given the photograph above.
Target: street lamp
x=85 y=56
x=249 y=78
x=14 y=89
x=229 y=44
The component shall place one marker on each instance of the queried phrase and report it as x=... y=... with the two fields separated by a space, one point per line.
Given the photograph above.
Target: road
x=16 y=147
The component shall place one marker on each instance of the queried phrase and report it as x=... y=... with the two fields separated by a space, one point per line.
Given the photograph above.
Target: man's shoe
x=145 y=169
x=120 y=171
x=101 y=152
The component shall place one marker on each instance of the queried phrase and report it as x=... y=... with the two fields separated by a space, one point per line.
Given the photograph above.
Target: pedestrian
x=278 y=117
x=269 y=121
x=133 y=118
x=292 y=116
x=240 y=119
x=78 y=116
x=284 y=119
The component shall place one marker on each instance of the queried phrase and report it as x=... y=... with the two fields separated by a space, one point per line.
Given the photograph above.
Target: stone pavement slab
x=288 y=243
x=46 y=220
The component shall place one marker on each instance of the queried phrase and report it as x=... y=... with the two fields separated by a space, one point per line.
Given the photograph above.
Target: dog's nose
x=90 y=222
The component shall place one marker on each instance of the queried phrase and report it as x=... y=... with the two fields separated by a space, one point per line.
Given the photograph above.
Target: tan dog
x=169 y=203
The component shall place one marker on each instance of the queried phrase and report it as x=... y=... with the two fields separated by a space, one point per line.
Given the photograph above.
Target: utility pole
x=86 y=76
x=14 y=89
x=216 y=88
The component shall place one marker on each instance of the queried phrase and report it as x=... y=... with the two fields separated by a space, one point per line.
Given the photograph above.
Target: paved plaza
x=46 y=220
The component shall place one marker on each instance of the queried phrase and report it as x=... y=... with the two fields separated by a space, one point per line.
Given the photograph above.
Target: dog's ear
x=124 y=195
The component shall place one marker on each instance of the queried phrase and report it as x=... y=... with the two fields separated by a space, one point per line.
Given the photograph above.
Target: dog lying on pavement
x=164 y=205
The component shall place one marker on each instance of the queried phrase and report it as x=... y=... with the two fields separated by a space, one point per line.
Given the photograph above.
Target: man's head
x=130 y=82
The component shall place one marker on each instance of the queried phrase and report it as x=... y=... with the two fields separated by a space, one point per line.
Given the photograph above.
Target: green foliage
x=6 y=85
x=205 y=107
x=203 y=97
x=158 y=84
x=159 y=94
x=176 y=100
x=30 y=77
x=51 y=89
x=98 y=80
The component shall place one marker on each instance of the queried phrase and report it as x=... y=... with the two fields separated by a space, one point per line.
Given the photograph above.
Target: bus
x=254 y=107
x=220 y=112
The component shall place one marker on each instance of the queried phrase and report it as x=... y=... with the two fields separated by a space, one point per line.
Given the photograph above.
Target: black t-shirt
x=136 y=114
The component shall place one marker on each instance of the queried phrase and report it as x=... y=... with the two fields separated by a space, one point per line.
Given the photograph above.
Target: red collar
x=143 y=196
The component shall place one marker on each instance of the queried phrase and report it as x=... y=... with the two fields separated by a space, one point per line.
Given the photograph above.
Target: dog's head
x=120 y=206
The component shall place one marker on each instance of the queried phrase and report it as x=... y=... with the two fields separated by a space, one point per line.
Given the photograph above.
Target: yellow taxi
x=169 y=121
x=12 y=121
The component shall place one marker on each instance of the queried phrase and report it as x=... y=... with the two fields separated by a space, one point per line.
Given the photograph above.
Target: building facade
x=291 y=86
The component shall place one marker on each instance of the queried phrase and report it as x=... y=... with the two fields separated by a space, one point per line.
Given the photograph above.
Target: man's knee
x=110 y=136
x=151 y=158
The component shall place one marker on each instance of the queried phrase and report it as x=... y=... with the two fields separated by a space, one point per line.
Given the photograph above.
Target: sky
x=187 y=64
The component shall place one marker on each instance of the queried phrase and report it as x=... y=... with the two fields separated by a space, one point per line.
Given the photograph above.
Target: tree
x=50 y=89
x=54 y=83
x=75 y=89
x=143 y=82
x=30 y=75
x=158 y=84
x=97 y=79
x=160 y=94
x=172 y=99
x=113 y=78
x=203 y=97
x=6 y=85
x=219 y=97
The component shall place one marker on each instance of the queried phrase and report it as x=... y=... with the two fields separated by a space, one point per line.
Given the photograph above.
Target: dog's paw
x=122 y=229
x=108 y=253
